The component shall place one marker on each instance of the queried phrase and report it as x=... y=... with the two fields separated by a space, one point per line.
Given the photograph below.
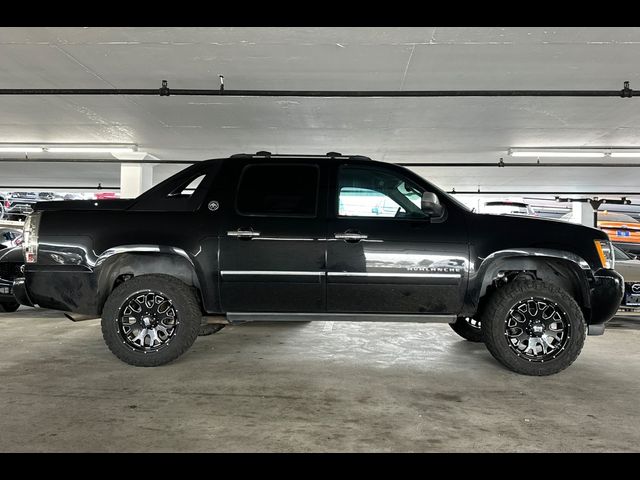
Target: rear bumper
x=69 y=291
x=606 y=293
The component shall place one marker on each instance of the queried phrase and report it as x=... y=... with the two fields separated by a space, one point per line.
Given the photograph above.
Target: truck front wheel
x=9 y=306
x=533 y=328
x=151 y=320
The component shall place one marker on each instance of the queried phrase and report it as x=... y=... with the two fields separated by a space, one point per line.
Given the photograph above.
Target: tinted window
x=367 y=192
x=619 y=254
x=278 y=190
x=187 y=188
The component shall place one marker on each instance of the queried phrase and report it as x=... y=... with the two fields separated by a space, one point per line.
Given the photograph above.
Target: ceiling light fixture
x=89 y=149
x=626 y=154
x=560 y=152
x=113 y=148
x=18 y=149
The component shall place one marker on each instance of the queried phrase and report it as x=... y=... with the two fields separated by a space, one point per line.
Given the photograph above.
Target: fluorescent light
x=555 y=153
x=90 y=149
x=21 y=149
x=626 y=154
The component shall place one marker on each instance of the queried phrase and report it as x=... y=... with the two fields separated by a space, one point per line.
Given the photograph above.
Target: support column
x=583 y=213
x=135 y=178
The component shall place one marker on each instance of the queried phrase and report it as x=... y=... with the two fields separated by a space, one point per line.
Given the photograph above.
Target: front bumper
x=606 y=293
x=20 y=292
x=6 y=291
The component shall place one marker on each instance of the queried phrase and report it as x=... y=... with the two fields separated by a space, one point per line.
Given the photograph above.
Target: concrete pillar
x=135 y=178
x=583 y=213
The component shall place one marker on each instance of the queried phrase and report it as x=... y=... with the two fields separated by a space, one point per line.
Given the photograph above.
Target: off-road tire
x=467 y=331
x=9 y=307
x=188 y=310
x=494 y=319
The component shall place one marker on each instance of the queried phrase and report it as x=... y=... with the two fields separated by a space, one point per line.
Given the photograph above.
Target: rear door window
x=276 y=190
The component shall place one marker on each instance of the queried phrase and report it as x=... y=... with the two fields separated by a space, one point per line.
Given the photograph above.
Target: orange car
x=621 y=228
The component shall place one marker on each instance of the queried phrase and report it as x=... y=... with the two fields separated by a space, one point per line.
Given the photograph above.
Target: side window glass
x=278 y=190
x=370 y=192
x=186 y=189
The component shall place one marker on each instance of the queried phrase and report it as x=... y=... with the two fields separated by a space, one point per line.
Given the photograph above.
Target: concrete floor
x=322 y=386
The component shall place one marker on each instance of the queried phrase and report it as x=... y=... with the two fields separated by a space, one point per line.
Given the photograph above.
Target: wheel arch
x=122 y=263
x=561 y=268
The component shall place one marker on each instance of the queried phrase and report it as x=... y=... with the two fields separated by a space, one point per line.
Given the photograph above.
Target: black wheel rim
x=537 y=329
x=147 y=321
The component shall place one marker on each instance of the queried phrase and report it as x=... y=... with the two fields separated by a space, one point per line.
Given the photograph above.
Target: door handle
x=350 y=236
x=243 y=233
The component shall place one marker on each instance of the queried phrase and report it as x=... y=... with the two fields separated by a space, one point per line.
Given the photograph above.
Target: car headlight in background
x=30 y=237
x=605 y=252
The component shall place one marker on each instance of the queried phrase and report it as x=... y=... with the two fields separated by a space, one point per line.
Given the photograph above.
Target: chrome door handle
x=243 y=233
x=349 y=236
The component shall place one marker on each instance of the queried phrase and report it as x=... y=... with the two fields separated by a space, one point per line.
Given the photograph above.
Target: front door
x=272 y=248
x=384 y=255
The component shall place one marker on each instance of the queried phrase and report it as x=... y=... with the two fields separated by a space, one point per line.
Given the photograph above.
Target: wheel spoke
x=147 y=321
x=536 y=329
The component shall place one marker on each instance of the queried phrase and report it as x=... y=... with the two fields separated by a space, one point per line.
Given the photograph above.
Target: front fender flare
x=525 y=259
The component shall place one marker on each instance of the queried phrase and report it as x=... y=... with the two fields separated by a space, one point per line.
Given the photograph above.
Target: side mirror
x=431 y=205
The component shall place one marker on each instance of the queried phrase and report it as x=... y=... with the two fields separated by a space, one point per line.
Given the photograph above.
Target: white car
x=505 y=207
x=628 y=266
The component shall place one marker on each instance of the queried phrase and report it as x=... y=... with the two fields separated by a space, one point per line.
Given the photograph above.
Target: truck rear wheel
x=533 y=328
x=151 y=320
x=468 y=328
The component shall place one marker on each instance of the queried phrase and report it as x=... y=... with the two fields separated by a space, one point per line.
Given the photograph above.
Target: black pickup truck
x=327 y=237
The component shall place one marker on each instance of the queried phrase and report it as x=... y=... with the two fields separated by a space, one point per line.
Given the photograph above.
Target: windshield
x=619 y=254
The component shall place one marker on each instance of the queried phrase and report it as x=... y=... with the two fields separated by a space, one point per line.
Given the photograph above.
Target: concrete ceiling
x=395 y=130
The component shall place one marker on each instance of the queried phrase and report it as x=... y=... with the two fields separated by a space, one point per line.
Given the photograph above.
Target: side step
x=329 y=317
x=76 y=317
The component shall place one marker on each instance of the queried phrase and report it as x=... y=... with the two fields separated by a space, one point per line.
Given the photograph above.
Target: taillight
x=30 y=237
x=7 y=204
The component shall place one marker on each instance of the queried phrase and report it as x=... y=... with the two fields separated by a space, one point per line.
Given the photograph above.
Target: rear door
x=272 y=248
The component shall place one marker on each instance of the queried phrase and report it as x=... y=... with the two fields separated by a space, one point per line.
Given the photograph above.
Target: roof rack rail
x=264 y=153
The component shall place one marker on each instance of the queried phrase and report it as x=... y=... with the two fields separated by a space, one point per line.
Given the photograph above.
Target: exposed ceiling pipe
x=523 y=164
x=165 y=91
x=93 y=160
x=537 y=192
x=404 y=164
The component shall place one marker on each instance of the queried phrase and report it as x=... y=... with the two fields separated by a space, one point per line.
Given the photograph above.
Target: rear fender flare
x=139 y=260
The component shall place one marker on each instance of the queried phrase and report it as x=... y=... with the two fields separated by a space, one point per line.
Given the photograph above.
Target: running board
x=330 y=317
x=76 y=317
x=215 y=320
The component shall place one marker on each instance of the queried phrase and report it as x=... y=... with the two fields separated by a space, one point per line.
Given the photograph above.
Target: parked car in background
x=505 y=207
x=628 y=266
x=106 y=196
x=11 y=260
x=17 y=205
x=73 y=196
x=10 y=237
x=623 y=230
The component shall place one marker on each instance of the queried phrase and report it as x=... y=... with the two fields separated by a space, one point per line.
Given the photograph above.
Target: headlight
x=605 y=253
x=30 y=237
